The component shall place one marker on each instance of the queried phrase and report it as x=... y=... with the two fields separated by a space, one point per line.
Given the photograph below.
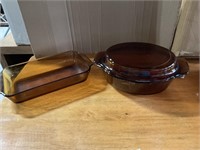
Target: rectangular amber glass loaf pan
x=27 y=80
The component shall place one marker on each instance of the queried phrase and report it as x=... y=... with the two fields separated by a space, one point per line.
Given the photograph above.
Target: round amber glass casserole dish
x=141 y=68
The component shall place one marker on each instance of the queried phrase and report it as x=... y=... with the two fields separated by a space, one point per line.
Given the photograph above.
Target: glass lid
x=140 y=55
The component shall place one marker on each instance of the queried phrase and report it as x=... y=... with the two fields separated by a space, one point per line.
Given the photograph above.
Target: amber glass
x=141 y=61
x=140 y=68
x=30 y=79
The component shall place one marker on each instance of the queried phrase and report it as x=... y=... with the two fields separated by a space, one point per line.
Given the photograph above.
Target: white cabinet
x=91 y=26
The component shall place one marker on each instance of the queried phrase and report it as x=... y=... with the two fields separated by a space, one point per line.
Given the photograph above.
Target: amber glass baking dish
x=27 y=80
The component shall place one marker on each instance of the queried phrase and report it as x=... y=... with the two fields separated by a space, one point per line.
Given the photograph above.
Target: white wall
x=91 y=26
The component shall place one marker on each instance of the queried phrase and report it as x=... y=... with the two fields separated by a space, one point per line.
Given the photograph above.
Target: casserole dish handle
x=183 y=68
x=99 y=59
x=99 y=56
